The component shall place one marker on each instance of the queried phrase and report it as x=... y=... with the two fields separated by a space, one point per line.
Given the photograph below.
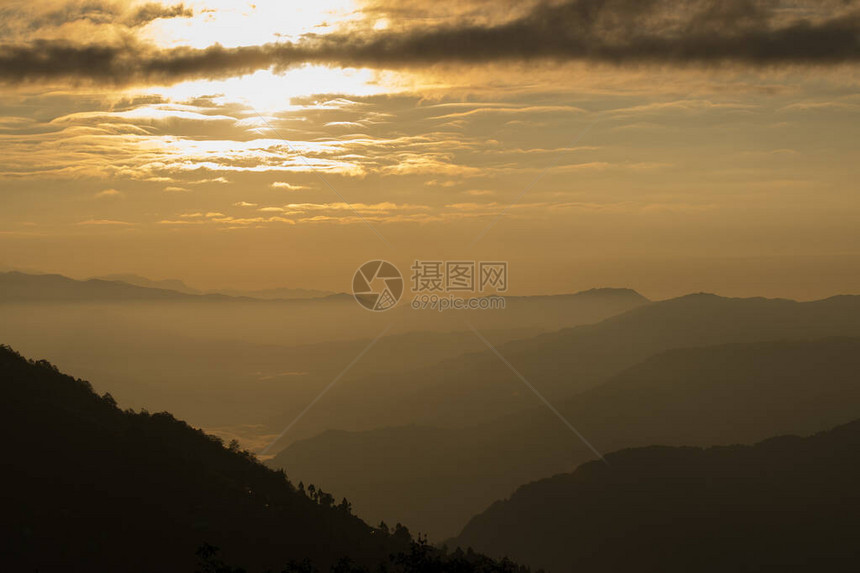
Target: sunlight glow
x=267 y=92
x=245 y=23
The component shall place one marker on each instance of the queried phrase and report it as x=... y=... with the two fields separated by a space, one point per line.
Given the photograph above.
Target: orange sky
x=281 y=158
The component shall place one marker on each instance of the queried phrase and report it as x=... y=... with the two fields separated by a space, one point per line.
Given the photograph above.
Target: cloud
x=808 y=106
x=612 y=31
x=108 y=222
x=225 y=221
x=501 y=109
x=132 y=61
x=42 y=16
x=620 y=31
x=178 y=222
x=288 y=186
x=154 y=11
x=107 y=193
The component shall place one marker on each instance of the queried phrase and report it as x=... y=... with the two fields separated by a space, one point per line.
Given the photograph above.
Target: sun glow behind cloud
x=231 y=24
x=245 y=23
x=268 y=92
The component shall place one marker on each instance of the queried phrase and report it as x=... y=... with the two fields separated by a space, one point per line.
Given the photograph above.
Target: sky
x=669 y=147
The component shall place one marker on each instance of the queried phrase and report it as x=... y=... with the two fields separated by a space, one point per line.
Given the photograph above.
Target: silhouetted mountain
x=547 y=312
x=229 y=386
x=137 y=280
x=376 y=395
x=253 y=365
x=620 y=293
x=21 y=287
x=568 y=361
x=702 y=396
x=276 y=293
x=89 y=487
x=478 y=387
x=785 y=504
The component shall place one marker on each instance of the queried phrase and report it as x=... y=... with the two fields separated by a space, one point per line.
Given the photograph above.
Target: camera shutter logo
x=377 y=285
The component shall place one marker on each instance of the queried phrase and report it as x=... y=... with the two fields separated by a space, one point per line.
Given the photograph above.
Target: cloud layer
x=767 y=32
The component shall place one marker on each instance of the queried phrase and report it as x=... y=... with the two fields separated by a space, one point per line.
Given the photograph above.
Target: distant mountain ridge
x=277 y=293
x=785 y=504
x=19 y=286
x=461 y=470
x=567 y=362
x=602 y=291
x=137 y=280
x=425 y=398
x=22 y=287
x=179 y=286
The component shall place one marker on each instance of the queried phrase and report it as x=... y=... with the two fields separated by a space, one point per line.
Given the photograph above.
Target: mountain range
x=784 y=504
x=433 y=429
x=698 y=370
x=179 y=286
x=248 y=366
x=22 y=287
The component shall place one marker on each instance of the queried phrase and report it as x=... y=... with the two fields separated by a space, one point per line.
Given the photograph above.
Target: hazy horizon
x=793 y=291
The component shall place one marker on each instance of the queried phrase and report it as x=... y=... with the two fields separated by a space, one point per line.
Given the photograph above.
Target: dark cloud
x=675 y=31
x=153 y=11
x=18 y=16
x=95 y=11
x=767 y=32
x=132 y=62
